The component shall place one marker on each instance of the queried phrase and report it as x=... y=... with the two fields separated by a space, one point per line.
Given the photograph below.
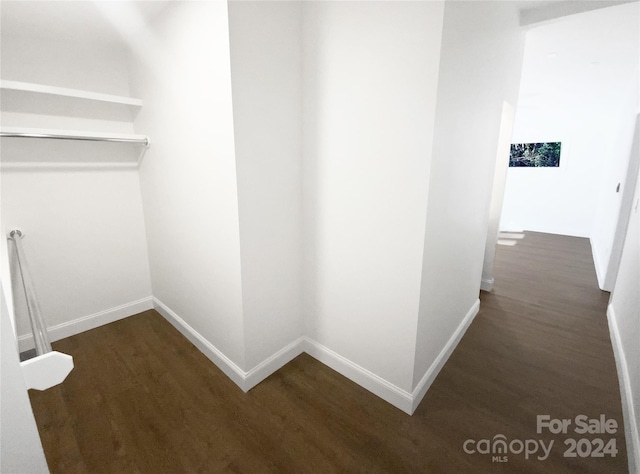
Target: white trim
x=511 y=235
x=601 y=273
x=92 y=321
x=235 y=373
x=486 y=284
x=64 y=166
x=384 y=389
x=389 y=392
x=273 y=363
x=631 y=432
x=377 y=385
x=432 y=372
x=66 y=92
x=244 y=380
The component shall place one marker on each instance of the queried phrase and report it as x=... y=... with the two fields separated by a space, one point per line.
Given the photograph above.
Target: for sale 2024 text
x=582 y=425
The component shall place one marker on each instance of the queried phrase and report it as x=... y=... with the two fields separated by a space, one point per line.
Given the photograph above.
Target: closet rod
x=144 y=141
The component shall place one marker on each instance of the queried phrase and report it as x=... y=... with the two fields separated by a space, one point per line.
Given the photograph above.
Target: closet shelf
x=27 y=87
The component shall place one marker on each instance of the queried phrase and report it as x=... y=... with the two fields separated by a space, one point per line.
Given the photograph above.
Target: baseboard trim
x=265 y=368
x=384 y=389
x=631 y=429
x=245 y=380
x=600 y=272
x=92 y=321
x=231 y=370
x=486 y=284
x=377 y=385
x=401 y=399
x=251 y=378
x=433 y=371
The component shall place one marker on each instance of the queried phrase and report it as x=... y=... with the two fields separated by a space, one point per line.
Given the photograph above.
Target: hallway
x=143 y=399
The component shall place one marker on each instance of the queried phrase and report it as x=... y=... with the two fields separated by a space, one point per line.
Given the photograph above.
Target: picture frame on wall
x=535 y=155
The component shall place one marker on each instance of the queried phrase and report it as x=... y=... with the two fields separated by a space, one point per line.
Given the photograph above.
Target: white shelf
x=43 y=128
x=28 y=87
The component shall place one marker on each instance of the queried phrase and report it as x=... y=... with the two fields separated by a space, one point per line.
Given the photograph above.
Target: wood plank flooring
x=143 y=399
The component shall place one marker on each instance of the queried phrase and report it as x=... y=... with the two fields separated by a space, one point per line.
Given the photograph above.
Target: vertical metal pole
x=38 y=327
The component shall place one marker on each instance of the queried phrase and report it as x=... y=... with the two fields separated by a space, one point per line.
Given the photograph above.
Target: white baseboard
x=431 y=374
x=225 y=364
x=247 y=380
x=244 y=380
x=375 y=384
x=631 y=429
x=394 y=395
x=92 y=321
x=486 y=284
x=405 y=401
x=601 y=273
x=265 y=368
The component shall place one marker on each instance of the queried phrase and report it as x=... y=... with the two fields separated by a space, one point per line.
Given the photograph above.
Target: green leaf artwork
x=535 y=155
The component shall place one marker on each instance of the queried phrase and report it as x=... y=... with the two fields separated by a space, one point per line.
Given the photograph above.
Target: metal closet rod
x=144 y=141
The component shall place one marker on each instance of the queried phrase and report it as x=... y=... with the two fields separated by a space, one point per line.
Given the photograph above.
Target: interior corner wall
x=81 y=227
x=188 y=177
x=482 y=48
x=370 y=80
x=266 y=75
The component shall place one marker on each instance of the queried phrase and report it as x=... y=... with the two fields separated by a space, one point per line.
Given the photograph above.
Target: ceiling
x=84 y=20
x=588 y=55
x=87 y=20
x=533 y=12
x=565 y=59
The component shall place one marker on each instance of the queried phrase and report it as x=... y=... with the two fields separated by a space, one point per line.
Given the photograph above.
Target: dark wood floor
x=143 y=399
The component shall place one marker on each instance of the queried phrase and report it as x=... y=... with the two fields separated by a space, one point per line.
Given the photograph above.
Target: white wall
x=91 y=67
x=84 y=239
x=65 y=63
x=571 y=199
x=370 y=77
x=84 y=233
x=266 y=72
x=482 y=37
x=188 y=178
x=555 y=200
x=497 y=194
x=624 y=309
x=21 y=449
x=578 y=86
x=607 y=237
